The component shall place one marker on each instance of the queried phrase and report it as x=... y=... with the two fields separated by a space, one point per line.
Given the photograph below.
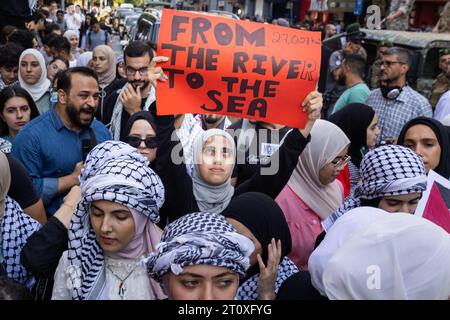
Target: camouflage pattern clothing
x=440 y=86
x=400 y=23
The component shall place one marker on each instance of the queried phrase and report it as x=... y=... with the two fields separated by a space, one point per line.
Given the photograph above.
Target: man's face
x=213 y=118
x=60 y=16
x=382 y=51
x=9 y=75
x=331 y=30
x=443 y=61
x=392 y=68
x=96 y=27
x=137 y=71
x=82 y=100
x=53 y=7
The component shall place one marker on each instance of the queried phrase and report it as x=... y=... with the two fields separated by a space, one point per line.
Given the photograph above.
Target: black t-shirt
x=22 y=188
x=262 y=147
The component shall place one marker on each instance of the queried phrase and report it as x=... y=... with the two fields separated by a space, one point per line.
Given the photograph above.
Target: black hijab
x=141 y=115
x=264 y=218
x=442 y=135
x=354 y=120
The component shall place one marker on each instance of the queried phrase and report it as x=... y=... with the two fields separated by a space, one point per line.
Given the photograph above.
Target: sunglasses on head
x=150 y=142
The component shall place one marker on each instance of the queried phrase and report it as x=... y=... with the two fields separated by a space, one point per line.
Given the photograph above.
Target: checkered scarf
x=385 y=171
x=200 y=238
x=16 y=227
x=113 y=171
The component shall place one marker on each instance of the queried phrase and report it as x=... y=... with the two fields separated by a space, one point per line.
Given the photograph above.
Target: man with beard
x=53 y=145
x=442 y=82
x=214 y=121
x=351 y=75
x=137 y=95
x=395 y=102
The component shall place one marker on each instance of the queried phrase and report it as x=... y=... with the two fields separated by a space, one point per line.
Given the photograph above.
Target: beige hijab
x=104 y=79
x=327 y=141
x=5 y=181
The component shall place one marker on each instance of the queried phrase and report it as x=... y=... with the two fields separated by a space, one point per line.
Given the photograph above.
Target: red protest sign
x=237 y=68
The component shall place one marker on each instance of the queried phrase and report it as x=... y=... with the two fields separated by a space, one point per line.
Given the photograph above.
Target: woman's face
x=100 y=62
x=143 y=130
x=373 y=132
x=16 y=113
x=121 y=69
x=422 y=140
x=73 y=42
x=202 y=282
x=406 y=203
x=241 y=229
x=30 y=69
x=54 y=67
x=329 y=172
x=217 y=160
x=113 y=225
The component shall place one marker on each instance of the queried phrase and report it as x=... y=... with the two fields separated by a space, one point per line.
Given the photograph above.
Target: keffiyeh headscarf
x=372 y=254
x=113 y=171
x=16 y=226
x=211 y=198
x=385 y=171
x=200 y=238
x=5 y=146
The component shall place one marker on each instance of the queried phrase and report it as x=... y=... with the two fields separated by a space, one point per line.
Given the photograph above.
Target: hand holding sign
x=156 y=73
x=312 y=105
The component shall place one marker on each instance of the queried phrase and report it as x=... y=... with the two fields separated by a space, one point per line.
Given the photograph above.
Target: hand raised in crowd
x=312 y=105
x=131 y=99
x=268 y=274
x=157 y=73
x=76 y=172
x=65 y=212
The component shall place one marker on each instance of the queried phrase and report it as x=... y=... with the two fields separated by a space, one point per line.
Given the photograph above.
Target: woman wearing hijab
x=33 y=78
x=112 y=229
x=360 y=124
x=200 y=257
x=209 y=189
x=84 y=59
x=104 y=63
x=259 y=218
x=392 y=178
x=370 y=254
x=140 y=133
x=74 y=39
x=16 y=227
x=430 y=140
x=313 y=192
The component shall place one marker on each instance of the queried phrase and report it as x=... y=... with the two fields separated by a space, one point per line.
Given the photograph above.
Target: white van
x=126 y=6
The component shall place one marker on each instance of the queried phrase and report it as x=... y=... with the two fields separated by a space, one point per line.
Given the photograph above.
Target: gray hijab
x=211 y=198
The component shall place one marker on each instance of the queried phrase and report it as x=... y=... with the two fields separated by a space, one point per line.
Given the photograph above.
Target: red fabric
x=304 y=8
x=436 y=210
x=344 y=178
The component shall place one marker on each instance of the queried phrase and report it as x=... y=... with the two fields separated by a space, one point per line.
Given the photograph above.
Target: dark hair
x=8 y=93
x=402 y=54
x=65 y=79
x=59 y=11
x=38 y=15
x=12 y=290
x=374 y=203
x=47 y=38
x=61 y=59
x=94 y=20
x=22 y=37
x=6 y=32
x=10 y=55
x=60 y=43
x=356 y=63
x=49 y=28
x=137 y=49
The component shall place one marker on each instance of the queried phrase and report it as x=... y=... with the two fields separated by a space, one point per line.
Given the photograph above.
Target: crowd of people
x=103 y=199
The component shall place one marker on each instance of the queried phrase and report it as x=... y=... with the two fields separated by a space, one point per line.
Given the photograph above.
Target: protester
x=430 y=140
x=141 y=134
x=259 y=218
x=96 y=36
x=370 y=254
x=312 y=192
x=60 y=47
x=9 y=65
x=442 y=83
x=204 y=251
x=375 y=69
x=84 y=60
x=73 y=37
x=17 y=108
x=58 y=64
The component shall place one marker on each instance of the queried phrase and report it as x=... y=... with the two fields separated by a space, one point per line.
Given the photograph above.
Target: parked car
x=423 y=46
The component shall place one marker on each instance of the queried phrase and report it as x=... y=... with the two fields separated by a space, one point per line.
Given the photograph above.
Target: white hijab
x=372 y=254
x=210 y=198
x=38 y=89
x=327 y=141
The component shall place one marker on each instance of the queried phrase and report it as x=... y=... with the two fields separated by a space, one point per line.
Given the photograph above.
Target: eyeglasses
x=132 y=71
x=150 y=142
x=387 y=64
x=341 y=162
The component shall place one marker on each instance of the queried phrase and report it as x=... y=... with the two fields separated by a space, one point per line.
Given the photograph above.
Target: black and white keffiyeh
x=249 y=289
x=16 y=227
x=5 y=146
x=200 y=238
x=113 y=171
x=385 y=171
